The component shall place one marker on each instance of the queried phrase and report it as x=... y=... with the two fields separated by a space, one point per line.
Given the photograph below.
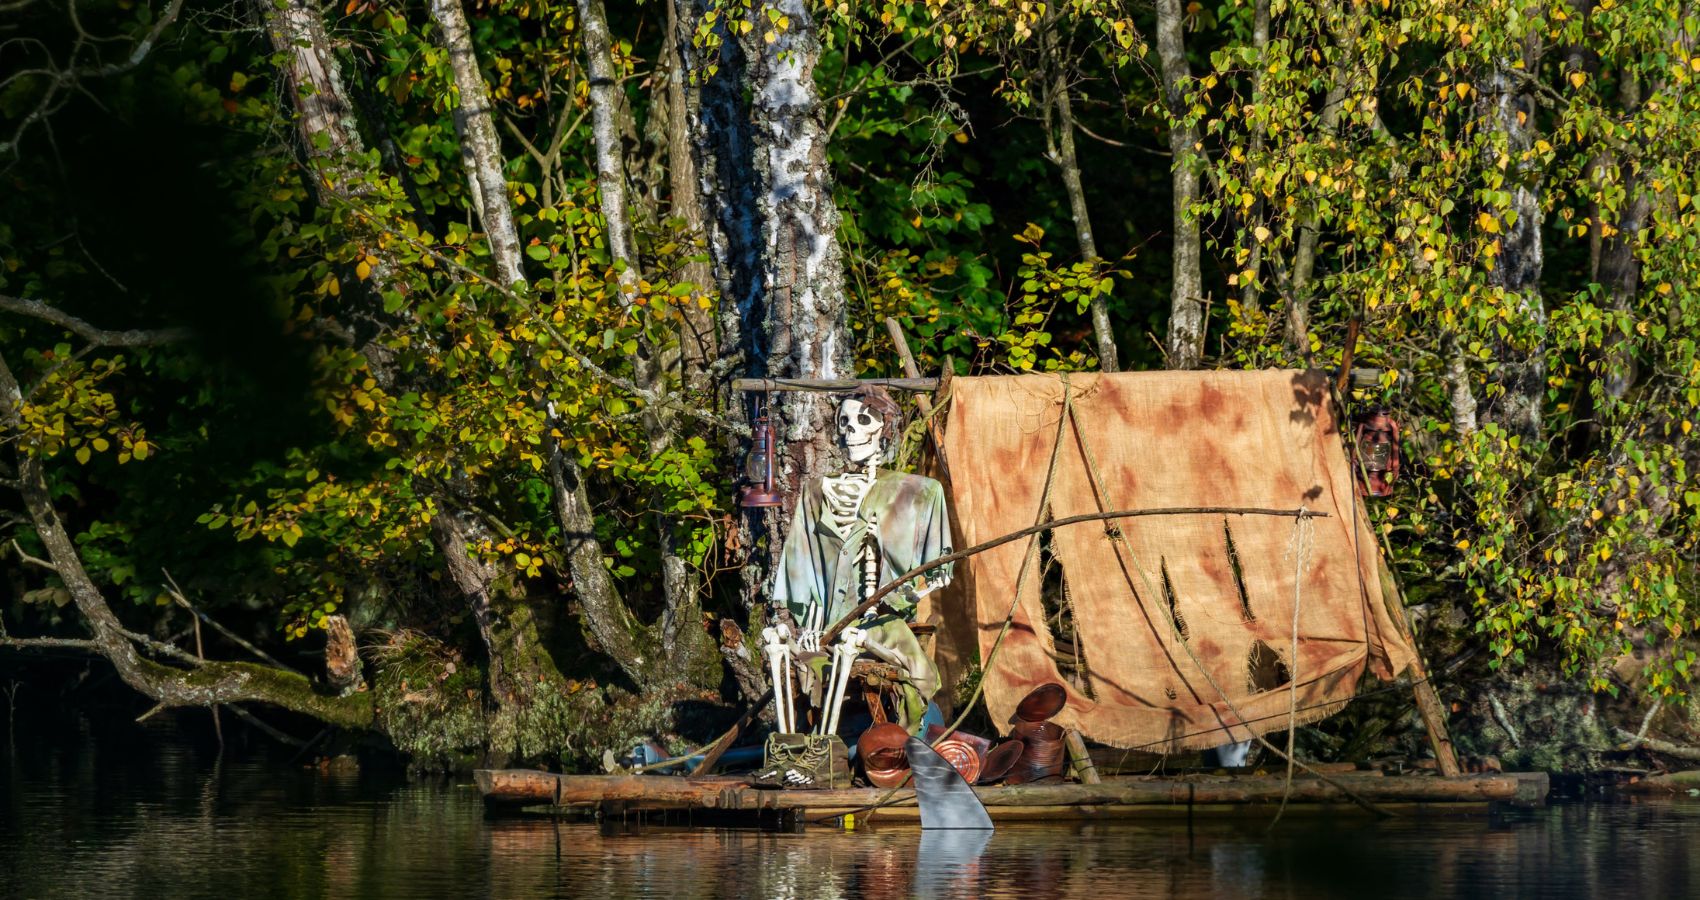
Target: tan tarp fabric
x=1158 y=608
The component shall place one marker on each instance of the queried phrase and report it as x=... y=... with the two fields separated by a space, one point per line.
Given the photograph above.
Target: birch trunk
x=1303 y=281
x=1250 y=298
x=682 y=639
x=723 y=143
x=1186 y=294
x=1619 y=269
x=798 y=329
x=1063 y=151
x=760 y=148
x=697 y=341
x=479 y=145
x=518 y=666
x=1508 y=114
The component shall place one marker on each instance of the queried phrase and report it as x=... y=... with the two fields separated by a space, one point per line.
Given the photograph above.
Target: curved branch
x=101 y=337
x=211 y=683
x=922 y=569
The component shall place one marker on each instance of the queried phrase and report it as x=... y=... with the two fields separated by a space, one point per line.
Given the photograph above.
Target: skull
x=861 y=430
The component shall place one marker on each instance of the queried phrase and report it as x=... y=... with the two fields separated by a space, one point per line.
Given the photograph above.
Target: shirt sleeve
x=932 y=540
x=794 y=577
x=935 y=533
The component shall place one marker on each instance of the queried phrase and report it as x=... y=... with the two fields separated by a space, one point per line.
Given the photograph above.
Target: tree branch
x=51 y=643
x=101 y=337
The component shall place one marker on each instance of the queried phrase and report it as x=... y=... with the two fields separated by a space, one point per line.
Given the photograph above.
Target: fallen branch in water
x=1679 y=751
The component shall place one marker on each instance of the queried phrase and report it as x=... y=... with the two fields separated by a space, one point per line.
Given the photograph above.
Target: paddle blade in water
x=946 y=801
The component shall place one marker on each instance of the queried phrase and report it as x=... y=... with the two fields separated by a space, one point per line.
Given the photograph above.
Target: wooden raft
x=731 y=797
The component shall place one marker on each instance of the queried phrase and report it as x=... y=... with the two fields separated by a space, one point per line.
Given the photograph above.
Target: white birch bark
x=1186 y=293
x=480 y=148
x=1509 y=112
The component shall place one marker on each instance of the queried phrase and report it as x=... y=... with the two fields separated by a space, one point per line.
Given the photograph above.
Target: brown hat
x=879 y=401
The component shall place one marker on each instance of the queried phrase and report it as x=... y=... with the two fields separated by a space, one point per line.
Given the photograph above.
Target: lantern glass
x=758 y=466
x=1377 y=454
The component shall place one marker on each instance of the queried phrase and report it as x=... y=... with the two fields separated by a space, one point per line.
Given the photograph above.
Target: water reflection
x=83 y=815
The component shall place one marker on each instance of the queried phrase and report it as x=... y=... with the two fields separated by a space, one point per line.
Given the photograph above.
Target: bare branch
x=51 y=644
x=31 y=560
x=177 y=595
x=271 y=732
x=102 y=337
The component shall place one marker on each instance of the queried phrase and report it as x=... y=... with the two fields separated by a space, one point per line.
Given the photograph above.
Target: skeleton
x=777 y=642
x=865 y=426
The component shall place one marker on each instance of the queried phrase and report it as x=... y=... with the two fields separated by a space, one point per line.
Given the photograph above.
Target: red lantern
x=1377 y=441
x=759 y=490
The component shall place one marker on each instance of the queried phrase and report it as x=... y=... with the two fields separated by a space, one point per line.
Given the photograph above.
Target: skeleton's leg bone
x=831 y=686
x=851 y=646
x=789 y=726
x=783 y=684
x=777 y=656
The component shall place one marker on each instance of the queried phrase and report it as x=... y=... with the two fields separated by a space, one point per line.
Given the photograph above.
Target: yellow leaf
x=770 y=37
x=1687 y=426
x=1262 y=233
x=100 y=444
x=83 y=455
x=1577 y=79
x=1463 y=89
x=363 y=271
x=1310 y=176
x=1487 y=223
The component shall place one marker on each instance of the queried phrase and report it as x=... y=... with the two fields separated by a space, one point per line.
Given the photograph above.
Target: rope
x=1300 y=549
x=1020 y=583
x=1098 y=490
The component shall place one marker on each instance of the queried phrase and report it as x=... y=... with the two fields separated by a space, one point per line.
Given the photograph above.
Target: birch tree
x=1186 y=292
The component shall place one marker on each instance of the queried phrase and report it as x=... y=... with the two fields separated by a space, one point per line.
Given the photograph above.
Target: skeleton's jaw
x=863 y=454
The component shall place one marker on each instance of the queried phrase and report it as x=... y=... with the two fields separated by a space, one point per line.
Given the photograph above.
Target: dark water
x=143 y=812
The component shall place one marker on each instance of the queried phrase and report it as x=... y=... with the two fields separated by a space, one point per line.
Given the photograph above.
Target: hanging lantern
x=758 y=490
x=1377 y=441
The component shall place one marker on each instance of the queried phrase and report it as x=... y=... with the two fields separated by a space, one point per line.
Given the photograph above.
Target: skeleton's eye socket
x=843 y=421
x=864 y=419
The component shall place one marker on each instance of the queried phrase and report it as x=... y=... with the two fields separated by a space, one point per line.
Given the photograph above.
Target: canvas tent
x=1181 y=625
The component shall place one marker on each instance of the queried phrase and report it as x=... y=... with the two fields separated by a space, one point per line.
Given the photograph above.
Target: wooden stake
x=1080 y=760
x=923 y=401
x=1428 y=702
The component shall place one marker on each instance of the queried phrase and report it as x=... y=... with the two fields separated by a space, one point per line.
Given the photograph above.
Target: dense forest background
x=392 y=342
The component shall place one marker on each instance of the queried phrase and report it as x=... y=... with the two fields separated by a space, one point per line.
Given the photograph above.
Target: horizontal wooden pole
x=731 y=793
x=1361 y=378
x=827 y=385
